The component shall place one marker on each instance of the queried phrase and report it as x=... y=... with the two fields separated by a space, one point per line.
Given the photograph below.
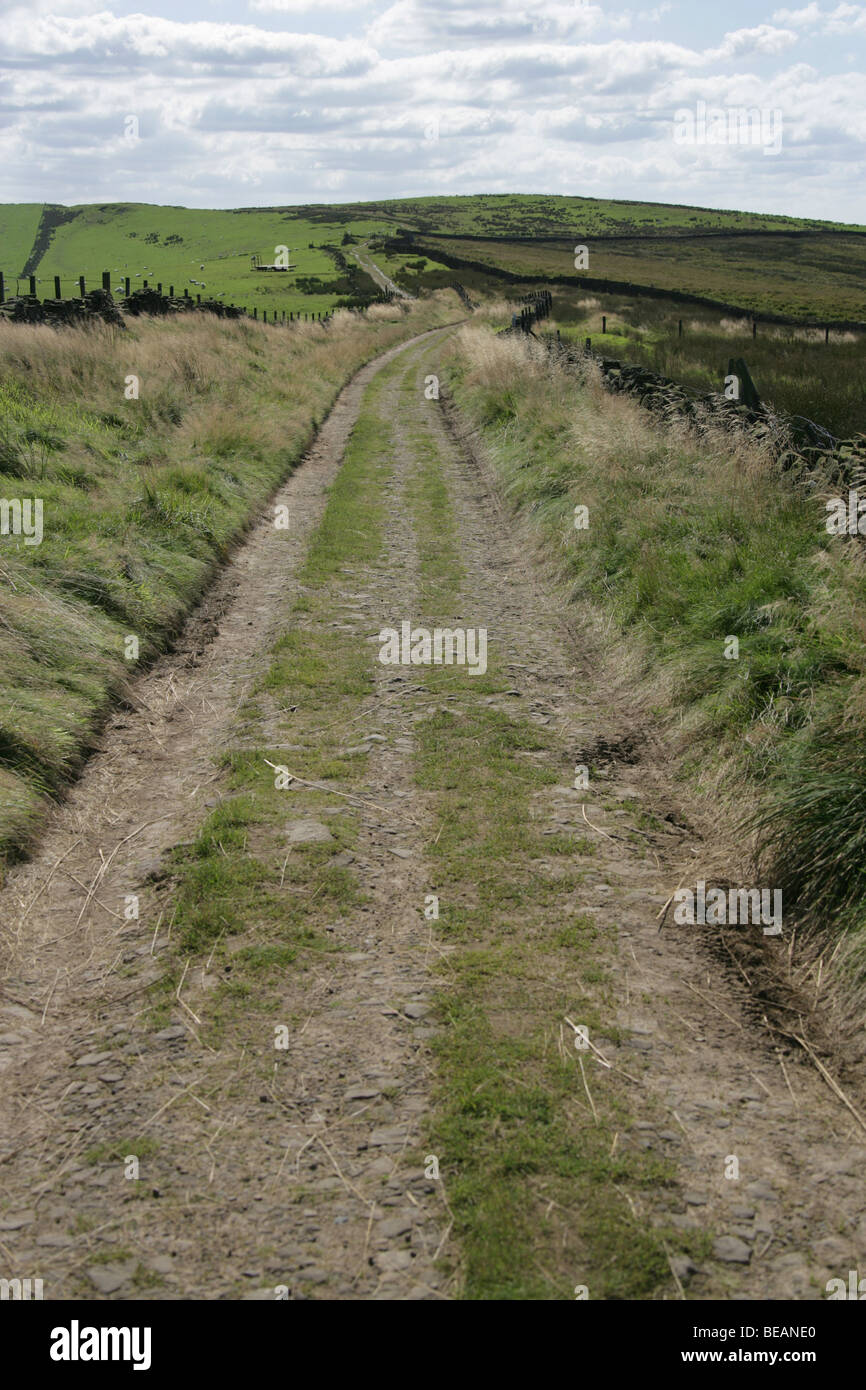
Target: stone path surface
x=302 y=1173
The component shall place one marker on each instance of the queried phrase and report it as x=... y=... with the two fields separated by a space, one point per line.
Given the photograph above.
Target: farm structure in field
x=256 y=263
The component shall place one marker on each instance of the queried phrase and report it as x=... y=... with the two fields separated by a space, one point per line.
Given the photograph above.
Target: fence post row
x=538 y=305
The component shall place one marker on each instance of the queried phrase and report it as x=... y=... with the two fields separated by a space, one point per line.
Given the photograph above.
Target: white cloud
x=454 y=23
x=765 y=38
x=809 y=14
x=843 y=19
x=303 y=6
x=529 y=95
x=142 y=40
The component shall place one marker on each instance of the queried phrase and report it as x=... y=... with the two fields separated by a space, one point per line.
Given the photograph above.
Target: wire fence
x=72 y=298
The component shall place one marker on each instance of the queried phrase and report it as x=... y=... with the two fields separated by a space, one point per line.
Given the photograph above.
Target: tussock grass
x=691 y=541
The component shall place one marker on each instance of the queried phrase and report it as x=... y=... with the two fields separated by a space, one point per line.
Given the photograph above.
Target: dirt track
x=299 y=1178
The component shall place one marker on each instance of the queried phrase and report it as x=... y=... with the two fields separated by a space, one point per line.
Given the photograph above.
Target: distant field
x=803 y=277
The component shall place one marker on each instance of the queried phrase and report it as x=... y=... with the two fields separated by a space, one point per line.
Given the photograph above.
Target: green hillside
x=181 y=246
x=739 y=258
x=542 y=215
x=18 y=225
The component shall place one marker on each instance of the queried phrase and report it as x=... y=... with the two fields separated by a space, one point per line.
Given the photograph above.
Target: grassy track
x=308 y=692
x=534 y=1178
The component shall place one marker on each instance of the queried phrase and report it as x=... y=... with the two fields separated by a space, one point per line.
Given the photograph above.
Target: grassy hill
x=181 y=246
x=542 y=215
x=794 y=266
x=19 y=223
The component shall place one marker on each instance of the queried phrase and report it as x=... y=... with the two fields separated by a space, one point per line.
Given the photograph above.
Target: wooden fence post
x=57 y=294
x=126 y=283
x=82 y=288
x=826 y=335
x=604 y=323
x=33 y=285
x=144 y=284
x=2 y=288
x=106 y=280
x=171 y=291
x=159 y=287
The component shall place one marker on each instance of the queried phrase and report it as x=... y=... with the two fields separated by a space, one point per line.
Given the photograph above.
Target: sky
x=253 y=103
